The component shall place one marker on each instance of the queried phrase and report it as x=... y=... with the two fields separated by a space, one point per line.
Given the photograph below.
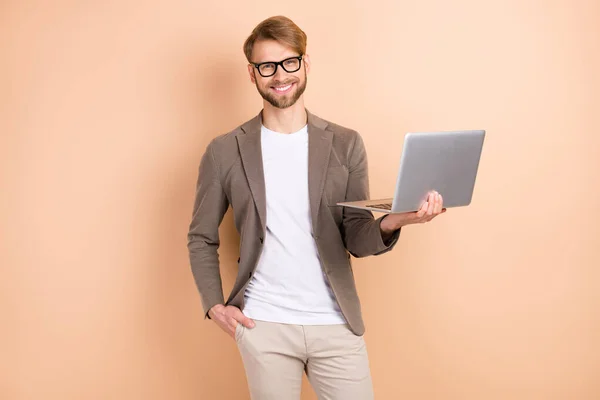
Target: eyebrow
x=285 y=58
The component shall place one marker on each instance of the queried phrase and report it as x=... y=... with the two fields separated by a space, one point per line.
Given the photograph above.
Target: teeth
x=283 y=88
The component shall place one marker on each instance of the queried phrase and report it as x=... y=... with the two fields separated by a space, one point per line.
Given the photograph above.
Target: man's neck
x=288 y=120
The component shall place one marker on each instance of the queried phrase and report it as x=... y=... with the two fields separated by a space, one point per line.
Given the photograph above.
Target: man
x=294 y=305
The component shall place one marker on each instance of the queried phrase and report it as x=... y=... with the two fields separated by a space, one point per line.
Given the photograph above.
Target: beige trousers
x=276 y=355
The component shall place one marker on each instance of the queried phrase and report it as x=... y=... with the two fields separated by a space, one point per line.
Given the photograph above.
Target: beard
x=283 y=101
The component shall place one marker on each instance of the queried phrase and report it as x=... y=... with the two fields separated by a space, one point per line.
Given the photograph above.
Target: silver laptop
x=446 y=162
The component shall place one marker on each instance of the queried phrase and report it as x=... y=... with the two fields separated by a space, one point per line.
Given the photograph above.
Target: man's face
x=282 y=89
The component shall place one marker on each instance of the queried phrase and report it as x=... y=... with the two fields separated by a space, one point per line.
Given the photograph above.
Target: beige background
x=106 y=108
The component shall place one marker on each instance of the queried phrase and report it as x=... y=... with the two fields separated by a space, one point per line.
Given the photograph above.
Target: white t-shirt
x=289 y=285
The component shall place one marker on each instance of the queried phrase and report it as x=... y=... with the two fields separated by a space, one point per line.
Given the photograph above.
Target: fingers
x=230 y=317
x=423 y=210
x=232 y=326
x=242 y=319
x=438 y=204
x=434 y=208
x=431 y=208
x=432 y=202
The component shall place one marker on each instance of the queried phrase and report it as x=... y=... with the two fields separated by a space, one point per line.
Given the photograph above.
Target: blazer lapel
x=251 y=154
x=319 y=148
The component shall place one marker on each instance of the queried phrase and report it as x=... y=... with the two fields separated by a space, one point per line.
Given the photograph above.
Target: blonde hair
x=279 y=28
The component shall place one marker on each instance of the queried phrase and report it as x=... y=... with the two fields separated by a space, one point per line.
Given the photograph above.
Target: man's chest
x=285 y=167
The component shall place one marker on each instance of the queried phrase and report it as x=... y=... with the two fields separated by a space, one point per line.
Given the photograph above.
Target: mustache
x=282 y=83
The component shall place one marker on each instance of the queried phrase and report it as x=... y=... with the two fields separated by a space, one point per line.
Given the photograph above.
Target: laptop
x=446 y=162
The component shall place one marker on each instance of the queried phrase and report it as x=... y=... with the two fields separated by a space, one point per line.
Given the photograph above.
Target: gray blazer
x=231 y=173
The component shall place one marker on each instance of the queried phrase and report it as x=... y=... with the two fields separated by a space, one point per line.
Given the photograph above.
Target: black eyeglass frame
x=277 y=64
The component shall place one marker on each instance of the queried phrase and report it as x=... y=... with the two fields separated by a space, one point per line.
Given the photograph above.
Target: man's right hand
x=227 y=317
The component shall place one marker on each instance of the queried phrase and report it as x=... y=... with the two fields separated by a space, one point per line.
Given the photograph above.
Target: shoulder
x=225 y=140
x=222 y=150
x=343 y=136
x=225 y=145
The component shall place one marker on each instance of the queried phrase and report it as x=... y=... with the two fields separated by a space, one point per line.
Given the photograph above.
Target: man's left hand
x=428 y=211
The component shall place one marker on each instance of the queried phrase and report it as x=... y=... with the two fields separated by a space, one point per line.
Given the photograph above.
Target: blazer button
x=261 y=239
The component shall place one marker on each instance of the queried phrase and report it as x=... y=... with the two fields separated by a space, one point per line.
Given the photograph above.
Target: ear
x=251 y=73
x=306 y=61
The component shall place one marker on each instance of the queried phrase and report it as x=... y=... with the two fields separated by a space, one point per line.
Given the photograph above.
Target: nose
x=280 y=73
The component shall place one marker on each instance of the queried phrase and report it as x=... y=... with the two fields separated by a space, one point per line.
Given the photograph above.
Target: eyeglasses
x=269 y=68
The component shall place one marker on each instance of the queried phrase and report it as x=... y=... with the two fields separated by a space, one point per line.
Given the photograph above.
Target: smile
x=283 y=89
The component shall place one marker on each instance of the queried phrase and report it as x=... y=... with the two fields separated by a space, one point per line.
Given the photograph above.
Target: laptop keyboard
x=384 y=206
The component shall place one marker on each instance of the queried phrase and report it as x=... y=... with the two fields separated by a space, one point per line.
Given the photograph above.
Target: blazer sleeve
x=360 y=231
x=210 y=205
